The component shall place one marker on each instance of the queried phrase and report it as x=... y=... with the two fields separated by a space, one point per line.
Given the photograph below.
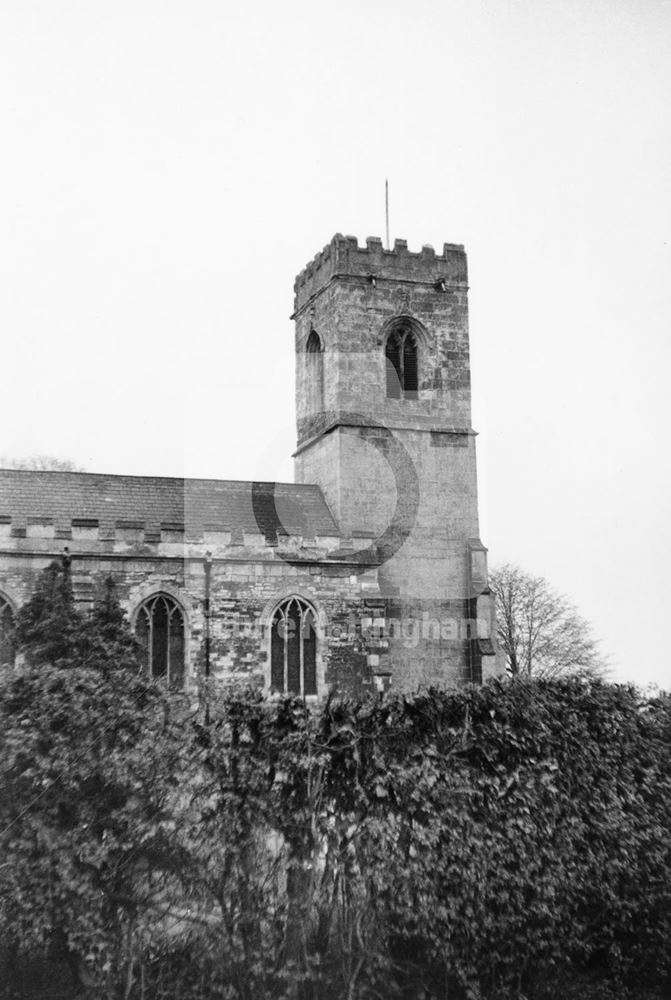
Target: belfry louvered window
x=159 y=628
x=7 y=645
x=293 y=649
x=401 y=364
x=314 y=356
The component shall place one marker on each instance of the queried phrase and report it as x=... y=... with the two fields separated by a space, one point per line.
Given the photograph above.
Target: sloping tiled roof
x=155 y=502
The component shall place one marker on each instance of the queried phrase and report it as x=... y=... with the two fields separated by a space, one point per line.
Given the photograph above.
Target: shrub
x=511 y=841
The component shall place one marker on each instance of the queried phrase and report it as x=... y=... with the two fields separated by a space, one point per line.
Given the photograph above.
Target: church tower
x=384 y=428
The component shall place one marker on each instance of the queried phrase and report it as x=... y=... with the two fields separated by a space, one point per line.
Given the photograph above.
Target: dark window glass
x=393 y=365
x=7 y=647
x=160 y=631
x=314 y=344
x=410 y=365
x=159 y=639
x=293 y=640
x=293 y=649
x=402 y=366
x=277 y=647
x=309 y=653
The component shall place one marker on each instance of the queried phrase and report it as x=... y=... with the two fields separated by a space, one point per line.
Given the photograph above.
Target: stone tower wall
x=408 y=463
x=349 y=295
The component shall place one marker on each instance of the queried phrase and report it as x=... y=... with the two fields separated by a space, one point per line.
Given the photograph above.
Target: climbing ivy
x=509 y=841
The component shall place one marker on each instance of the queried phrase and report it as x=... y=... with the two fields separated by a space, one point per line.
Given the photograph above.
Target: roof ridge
x=168 y=479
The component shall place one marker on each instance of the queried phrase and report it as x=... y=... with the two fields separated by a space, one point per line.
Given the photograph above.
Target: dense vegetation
x=509 y=841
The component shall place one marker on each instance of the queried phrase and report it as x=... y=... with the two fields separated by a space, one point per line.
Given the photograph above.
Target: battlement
x=343 y=257
x=88 y=537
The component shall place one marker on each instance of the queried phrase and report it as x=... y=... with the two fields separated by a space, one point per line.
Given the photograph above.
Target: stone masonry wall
x=351 y=314
x=358 y=627
x=248 y=579
x=400 y=467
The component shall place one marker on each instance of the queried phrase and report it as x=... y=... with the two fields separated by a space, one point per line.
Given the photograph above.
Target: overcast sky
x=168 y=167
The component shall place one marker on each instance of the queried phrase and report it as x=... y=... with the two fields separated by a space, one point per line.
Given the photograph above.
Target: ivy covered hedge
x=508 y=841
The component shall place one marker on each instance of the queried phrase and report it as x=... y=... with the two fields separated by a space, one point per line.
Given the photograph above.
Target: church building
x=366 y=573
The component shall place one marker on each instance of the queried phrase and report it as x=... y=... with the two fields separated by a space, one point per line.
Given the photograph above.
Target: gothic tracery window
x=159 y=628
x=293 y=649
x=315 y=372
x=7 y=643
x=401 y=364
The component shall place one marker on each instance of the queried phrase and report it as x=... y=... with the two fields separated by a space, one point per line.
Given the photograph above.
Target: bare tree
x=540 y=630
x=40 y=463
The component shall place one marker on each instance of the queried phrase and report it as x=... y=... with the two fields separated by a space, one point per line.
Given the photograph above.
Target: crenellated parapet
x=88 y=538
x=343 y=257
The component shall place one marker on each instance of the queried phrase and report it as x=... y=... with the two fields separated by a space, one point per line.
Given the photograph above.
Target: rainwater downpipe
x=208 y=573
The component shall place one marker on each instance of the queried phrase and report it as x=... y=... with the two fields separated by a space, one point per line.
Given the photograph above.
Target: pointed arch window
x=159 y=628
x=7 y=634
x=293 y=649
x=314 y=351
x=402 y=364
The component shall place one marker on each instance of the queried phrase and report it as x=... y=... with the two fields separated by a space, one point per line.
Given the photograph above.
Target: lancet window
x=314 y=351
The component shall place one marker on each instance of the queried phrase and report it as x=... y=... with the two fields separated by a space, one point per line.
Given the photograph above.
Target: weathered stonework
x=407 y=461
x=379 y=535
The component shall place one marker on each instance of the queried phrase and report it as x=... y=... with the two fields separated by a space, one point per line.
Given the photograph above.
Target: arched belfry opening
x=402 y=363
x=314 y=354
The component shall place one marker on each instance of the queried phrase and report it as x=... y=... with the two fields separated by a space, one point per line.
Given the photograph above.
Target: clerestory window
x=293 y=649
x=159 y=627
x=7 y=640
x=401 y=364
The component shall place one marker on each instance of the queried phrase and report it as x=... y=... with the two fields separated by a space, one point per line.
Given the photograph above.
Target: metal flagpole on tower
x=386 y=208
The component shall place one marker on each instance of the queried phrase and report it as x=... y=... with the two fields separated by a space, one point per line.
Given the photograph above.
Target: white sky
x=168 y=167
